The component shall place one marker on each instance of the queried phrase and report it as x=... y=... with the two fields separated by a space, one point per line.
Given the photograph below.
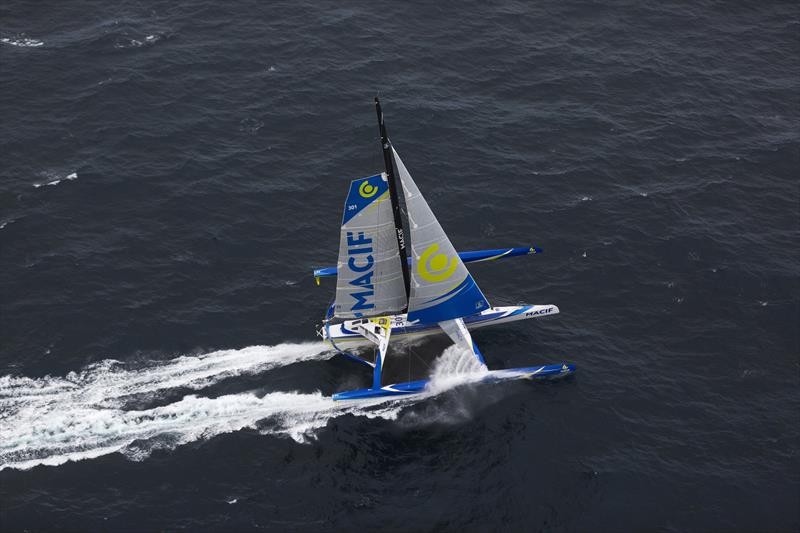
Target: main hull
x=342 y=338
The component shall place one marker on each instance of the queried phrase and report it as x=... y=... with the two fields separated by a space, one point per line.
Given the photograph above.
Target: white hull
x=341 y=337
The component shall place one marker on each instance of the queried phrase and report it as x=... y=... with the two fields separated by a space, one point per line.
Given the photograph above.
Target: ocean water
x=173 y=171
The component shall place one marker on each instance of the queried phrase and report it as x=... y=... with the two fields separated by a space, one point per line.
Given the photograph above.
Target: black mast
x=394 y=186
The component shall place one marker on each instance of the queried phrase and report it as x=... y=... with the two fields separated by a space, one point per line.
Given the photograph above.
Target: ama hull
x=493 y=376
x=342 y=338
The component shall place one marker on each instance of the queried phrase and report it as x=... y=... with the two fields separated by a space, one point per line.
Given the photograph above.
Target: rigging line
x=378 y=269
x=408 y=359
x=330 y=302
x=421 y=360
x=373 y=162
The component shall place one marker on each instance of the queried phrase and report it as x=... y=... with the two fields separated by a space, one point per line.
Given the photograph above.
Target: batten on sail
x=369 y=276
x=441 y=286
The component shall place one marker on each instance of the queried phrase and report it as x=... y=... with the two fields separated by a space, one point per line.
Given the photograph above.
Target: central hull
x=342 y=338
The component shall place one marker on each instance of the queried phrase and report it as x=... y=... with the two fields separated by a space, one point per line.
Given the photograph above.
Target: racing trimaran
x=386 y=292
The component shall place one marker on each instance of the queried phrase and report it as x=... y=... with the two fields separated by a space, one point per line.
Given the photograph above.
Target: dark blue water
x=172 y=171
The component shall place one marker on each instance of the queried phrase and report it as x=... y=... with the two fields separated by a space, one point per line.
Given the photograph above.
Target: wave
x=72 y=176
x=22 y=41
x=126 y=42
x=53 y=420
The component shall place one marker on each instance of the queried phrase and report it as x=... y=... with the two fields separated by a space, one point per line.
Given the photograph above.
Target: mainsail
x=441 y=286
x=369 y=275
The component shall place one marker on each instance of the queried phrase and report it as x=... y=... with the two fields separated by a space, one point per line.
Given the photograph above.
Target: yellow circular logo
x=366 y=190
x=435 y=267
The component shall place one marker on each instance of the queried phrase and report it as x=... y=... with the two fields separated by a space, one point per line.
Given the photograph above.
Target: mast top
x=382 y=125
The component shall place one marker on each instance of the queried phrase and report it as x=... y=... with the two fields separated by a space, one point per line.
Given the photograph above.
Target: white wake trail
x=50 y=421
x=44 y=418
x=108 y=383
x=83 y=433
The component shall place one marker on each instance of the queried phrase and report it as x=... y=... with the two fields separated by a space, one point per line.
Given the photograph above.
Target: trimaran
x=395 y=284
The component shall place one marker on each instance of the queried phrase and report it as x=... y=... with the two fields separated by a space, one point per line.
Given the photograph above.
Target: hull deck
x=342 y=338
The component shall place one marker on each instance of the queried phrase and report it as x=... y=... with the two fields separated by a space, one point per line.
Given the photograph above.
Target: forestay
x=369 y=279
x=441 y=286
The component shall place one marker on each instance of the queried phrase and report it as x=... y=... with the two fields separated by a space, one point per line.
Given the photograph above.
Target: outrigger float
x=384 y=291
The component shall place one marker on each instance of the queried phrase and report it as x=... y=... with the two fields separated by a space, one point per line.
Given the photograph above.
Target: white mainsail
x=369 y=278
x=441 y=286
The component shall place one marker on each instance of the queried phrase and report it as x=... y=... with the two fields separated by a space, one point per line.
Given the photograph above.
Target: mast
x=394 y=186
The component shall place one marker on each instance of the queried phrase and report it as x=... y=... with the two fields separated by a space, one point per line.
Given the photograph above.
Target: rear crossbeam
x=467 y=257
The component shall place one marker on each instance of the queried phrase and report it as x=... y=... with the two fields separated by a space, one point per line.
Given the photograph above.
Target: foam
x=456 y=366
x=51 y=183
x=53 y=420
x=109 y=383
x=136 y=43
x=22 y=41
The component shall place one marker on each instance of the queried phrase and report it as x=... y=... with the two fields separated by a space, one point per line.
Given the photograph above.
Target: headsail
x=441 y=286
x=369 y=276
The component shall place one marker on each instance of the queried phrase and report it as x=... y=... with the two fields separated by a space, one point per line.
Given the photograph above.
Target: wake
x=53 y=420
x=109 y=384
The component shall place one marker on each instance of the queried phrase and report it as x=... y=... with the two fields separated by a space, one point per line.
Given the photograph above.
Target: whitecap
x=54 y=182
x=22 y=41
x=137 y=43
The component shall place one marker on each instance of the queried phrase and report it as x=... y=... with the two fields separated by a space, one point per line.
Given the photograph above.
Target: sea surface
x=172 y=171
